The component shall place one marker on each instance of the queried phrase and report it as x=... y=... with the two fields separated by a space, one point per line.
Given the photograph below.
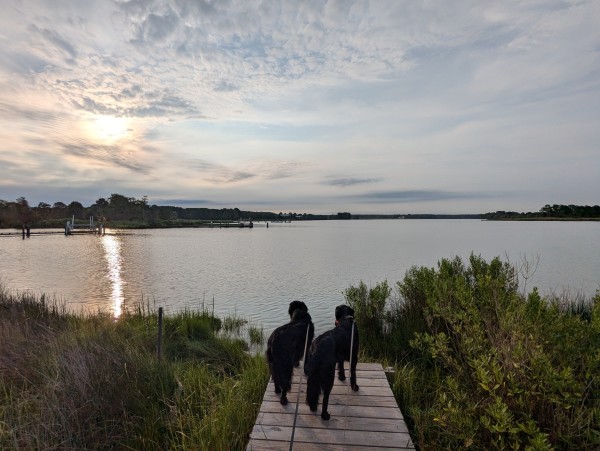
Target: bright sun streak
x=109 y=128
x=112 y=253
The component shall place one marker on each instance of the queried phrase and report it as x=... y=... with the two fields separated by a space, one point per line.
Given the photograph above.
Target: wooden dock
x=365 y=420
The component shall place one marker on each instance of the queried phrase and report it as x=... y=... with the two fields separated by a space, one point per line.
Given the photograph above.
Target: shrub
x=480 y=365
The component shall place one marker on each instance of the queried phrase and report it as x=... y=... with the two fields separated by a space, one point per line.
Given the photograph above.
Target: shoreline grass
x=75 y=381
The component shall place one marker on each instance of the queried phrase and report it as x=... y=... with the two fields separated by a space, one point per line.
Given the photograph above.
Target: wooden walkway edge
x=365 y=420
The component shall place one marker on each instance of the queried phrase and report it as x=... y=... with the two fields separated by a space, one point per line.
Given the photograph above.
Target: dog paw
x=325 y=415
x=355 y=387
x=277 y=390
x=283 y=401
x=342 y=377
x=313 y=408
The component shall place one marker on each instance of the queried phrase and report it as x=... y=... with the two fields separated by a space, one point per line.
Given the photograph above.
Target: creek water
x=254 y=273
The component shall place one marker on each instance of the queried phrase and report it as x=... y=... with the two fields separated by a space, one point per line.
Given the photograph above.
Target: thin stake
x=160 y=332
x=299 y=387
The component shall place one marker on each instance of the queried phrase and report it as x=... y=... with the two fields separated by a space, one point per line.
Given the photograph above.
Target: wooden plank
x=335 y=409
x=337 y=390
x=389 y=440
x=341 y=422
x=362 y=382
x=265 y=445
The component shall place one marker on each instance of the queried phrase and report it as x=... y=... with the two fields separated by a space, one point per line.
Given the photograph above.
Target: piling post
x=23 y=227
x=160 y=331
x=28 y=231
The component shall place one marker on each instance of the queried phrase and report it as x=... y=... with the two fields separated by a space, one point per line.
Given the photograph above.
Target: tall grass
x=480 y=364
x=87 y=381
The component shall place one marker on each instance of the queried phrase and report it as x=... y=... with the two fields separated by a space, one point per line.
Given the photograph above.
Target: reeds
x=87 y=381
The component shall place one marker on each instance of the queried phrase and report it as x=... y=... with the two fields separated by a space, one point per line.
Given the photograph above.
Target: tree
x=76 y=209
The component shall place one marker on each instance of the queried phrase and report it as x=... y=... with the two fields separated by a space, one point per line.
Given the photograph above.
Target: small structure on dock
x=72 y=228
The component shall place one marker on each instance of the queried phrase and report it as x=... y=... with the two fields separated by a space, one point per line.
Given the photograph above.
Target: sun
x=109 y=128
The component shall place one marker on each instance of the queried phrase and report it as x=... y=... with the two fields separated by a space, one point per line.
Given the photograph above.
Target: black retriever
x=328 y=349
x=285 y=347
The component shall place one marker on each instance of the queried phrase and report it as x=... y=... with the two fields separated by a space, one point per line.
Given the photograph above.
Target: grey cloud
x=155 y=27
x=414 y=196
x=9 y=112
x=282 y=170
x=219 y=173
x=150 y=104
x=112 y=155
x=226 y=86
x=351 y=181
x=177 y=202
x=23 y=62
x=56 y=40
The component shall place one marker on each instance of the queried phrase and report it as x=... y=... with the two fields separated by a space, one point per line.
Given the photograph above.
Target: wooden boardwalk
x=365 y=420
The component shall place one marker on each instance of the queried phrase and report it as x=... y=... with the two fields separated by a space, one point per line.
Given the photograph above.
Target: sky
x=398 y=106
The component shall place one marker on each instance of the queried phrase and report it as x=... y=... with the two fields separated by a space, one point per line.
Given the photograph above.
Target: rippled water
x=256 y=272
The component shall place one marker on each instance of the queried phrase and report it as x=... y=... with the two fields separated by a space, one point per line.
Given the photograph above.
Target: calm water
x=256 y=272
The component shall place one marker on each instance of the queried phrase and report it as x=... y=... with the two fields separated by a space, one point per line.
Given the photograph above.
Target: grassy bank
x=83 y=382
x=480 y=364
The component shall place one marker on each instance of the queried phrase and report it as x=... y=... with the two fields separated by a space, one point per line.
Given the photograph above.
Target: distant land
x=128 y=212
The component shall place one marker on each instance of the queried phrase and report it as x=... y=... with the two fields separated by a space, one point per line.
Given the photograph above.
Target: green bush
x=480 y=365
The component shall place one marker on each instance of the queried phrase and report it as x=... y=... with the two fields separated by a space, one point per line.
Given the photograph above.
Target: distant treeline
x=548 y=212
x=121 y=211
x=417 y=216
x=129 y=211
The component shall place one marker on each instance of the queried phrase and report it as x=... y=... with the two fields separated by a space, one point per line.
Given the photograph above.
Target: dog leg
x=341 y=372
x=324 y=414
x=312 y=393
x=353 y=374
x=277 y=389
x=283 y=400
x=327 y=379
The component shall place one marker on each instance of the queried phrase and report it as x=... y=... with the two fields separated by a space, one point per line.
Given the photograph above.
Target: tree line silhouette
x=133 y=212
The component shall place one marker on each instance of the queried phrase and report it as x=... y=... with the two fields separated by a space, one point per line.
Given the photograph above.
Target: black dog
x=342 y=312
x=285 y=347
x=328 y=349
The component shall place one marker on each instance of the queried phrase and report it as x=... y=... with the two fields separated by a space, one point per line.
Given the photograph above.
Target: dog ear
x=338 y=312
x=292 y=307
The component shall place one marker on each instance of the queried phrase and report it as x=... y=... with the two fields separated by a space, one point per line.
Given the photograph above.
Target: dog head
x=297 y=305
x=342 y=311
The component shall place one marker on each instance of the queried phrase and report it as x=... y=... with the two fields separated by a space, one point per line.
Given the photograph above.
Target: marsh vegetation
x=86 y=381
x=481 y=364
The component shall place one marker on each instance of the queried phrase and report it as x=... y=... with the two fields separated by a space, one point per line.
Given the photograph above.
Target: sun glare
x=112 y=253
x=109 y=128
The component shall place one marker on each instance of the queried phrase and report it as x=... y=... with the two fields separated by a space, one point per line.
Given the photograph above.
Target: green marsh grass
x=88 y=381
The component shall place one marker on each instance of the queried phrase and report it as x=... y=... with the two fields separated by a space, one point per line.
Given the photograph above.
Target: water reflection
x=112 y=252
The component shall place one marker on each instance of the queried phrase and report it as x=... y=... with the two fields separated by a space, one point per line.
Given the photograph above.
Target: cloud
x=416 y=196
x=351 y=181
x=104 y=154
x=52 y=37
x=182 y=202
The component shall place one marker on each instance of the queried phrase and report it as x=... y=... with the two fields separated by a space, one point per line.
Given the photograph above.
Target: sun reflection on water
x=112 y=253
